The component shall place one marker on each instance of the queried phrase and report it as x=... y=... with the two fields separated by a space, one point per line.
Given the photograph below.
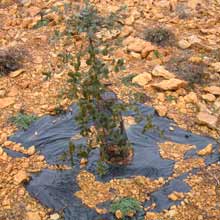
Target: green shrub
x=126 y=206
x=158 y=35
x=22 y=120
x=96 y=102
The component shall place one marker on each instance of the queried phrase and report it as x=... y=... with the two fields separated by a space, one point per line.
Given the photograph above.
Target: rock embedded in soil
x=118 y=214
x=175 y=196
x=209 y=97
x=205 y=151
x=21 y=177
x=16 y=73
x=138 y=45
x=217 y=104
x=83 y=161
x=151 y=216
x=7 y=101
x=126 y=31
x=162 y=72
x=161 y=110
x=216 y=66
x=2 y=93
x=142 y=79
x=171 y=84
x=55 y=216
x=207 y=119
x=135 y=55
x=1 y=151
x=147 y=49
x=33 y=216
x=215 y=90
x=184 y=44
x=31 y=150
x=191 y=98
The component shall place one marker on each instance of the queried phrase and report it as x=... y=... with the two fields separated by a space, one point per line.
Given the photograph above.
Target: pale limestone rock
x=173 y=197
x=7 y=101
x=162 y=72
x=216 y=66
x=130 y=20
x=21 y=177
x=135 y=55
x=172 y=213
x=215 y=90
x=137 y=45
x=142 y=79
x=147 y=49
x=54 y=216
x=209 y=97
x=83 y=161
x=191 y=98
x=184 y=44
x=2 y=93
x=161 y=110
x=31 y=150
x=171 y=84
x=41 y=158
x=126 y=31
x=176 y=196
x=1 y=151
x=205 y=151
x=16 y=73
x=33 y=216
x=203 y=108
x=217 y=104
x=33 y=10
x=151 y=215
x=205 y=118
x=128 y=40
x=118 y=214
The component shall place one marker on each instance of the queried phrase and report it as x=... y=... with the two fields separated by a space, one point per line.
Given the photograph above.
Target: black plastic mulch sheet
x=55 y=189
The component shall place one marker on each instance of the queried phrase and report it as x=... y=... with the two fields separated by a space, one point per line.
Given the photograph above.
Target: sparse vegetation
x=158 y=35
x=126 y=206
x=127 y=80
x=23 y=120
x=194 y=73
x=97 y=103
x=8 y=62
x=101 y=168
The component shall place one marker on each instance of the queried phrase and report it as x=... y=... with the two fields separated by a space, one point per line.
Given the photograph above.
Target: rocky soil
x=177 y=68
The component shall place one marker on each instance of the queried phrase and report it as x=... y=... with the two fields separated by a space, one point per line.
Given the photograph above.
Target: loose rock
x=33 y=216
x=205 y=151
x=54 y=216
x=209 y=97
x=83 y=161
x=31 y=150
x=16 y=73
x=191 y=98
x=147 y=49
x=142 y=79
x=171 y=84
x=205 y=118
x=184 y=44
x=161 y=71
x=5 y=102
x=2 y=93
x=21 y=177
x=118 y=214
x=216 y=66
x=215 y=90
